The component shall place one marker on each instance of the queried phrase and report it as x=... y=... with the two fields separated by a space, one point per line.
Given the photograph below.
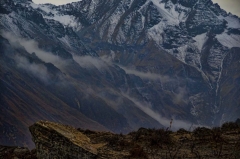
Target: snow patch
x=232 y=22
x=200 y=40
x=65 y=40
x=171 y=17
x=66 y=20
x=229 y=40
x=43 y=7
x=182 y=53
x=114 y=19
x=34 y=6
x=156 y=32
x=9 y=23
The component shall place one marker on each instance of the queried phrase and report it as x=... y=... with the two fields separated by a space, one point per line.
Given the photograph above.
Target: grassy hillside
x=218 y=142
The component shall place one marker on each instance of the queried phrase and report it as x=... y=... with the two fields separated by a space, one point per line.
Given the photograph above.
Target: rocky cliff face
x=124 y=64
x=54 y=140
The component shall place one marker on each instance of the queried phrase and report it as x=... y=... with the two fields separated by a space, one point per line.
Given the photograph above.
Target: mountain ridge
x=162 y=59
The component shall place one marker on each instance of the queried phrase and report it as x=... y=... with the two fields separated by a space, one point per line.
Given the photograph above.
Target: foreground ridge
x=54 y=140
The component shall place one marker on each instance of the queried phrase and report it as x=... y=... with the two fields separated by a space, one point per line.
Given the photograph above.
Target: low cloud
x=38 y=70
x=32 y=46
x=180 y=95
x=109 y=58
x=115 y=99
x=90 y=62
x=105 y=62
x=146 y=108
x=147 y=75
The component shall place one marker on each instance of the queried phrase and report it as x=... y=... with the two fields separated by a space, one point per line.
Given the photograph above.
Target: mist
x=105 y=62
x=180 y=95
x=90 y=62
x=48 y=57
x=115 y=99
x=32 y=46
x=38 y=70
x=147 y=75
x=146 y=108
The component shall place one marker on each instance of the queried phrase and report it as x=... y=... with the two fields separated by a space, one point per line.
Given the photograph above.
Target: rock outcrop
x=59 y=141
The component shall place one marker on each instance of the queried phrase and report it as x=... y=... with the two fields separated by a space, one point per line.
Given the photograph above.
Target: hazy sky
x=232 y=6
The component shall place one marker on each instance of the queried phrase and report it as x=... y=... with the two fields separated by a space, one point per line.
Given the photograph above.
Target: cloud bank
x=32 y=46
x=38 y=70
x=90 y=62
x=147 y=75
x=146 y=108
x=180 y=95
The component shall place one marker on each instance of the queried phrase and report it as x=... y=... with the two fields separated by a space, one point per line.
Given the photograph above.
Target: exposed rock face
x=59 y=141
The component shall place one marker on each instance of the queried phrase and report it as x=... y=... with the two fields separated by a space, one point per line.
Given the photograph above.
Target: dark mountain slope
x=229 y=94
x=26 y=98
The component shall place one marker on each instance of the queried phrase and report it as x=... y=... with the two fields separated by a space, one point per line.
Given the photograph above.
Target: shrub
x=113 y=140
x=138 y=152
x=202 y=132
x=217 y=135
x=182 y=131
x=123 y=143
x=87 y=131
x=160 y=137
x=229 y=126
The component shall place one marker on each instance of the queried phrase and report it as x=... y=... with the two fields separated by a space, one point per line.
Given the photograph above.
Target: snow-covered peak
x=200 y=40
x=50 y=12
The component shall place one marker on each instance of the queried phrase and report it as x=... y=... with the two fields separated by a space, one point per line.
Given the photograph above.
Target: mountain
x=117 y=65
